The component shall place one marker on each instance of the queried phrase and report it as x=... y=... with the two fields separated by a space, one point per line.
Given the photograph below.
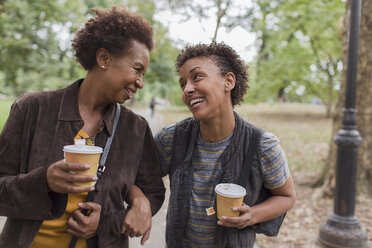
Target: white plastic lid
x=82 y=149
x=230 y=190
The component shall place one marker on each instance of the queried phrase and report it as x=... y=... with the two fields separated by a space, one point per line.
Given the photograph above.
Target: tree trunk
x=363 y=106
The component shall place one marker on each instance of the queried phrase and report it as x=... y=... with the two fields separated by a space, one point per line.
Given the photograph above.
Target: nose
x=189 y=88
x=139 y=82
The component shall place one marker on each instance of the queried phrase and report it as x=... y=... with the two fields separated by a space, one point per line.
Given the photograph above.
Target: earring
x=103 y=67
x=226 y=88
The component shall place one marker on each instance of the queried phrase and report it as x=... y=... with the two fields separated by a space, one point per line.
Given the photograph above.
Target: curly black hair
x=226 y=59
x=112 y=29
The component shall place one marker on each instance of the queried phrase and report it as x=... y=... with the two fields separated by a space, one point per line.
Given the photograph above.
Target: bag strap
x=252 y=147
x=101 y=166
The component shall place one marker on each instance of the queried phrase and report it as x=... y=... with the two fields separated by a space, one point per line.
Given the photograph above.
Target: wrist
x=253 y=216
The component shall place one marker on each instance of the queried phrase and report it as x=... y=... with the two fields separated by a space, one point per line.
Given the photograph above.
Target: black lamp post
x=342 y=229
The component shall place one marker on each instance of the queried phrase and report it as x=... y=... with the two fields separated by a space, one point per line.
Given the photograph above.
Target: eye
x=198 y=76
x=182 y=85
x=138 y=70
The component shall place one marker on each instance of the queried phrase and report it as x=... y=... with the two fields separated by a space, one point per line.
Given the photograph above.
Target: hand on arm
x=137 y=222
x=283 y=199
x=60 y=179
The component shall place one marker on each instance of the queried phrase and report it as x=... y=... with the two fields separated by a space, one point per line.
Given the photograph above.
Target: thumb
x=145 y=237
x=123 y=228
x=94 y=207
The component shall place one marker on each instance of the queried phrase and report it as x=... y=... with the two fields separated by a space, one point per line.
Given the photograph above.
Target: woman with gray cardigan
x=217 y=146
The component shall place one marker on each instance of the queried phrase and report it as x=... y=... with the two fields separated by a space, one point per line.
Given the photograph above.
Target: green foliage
x=36 y=53
x=299 y=49
x=32 y=57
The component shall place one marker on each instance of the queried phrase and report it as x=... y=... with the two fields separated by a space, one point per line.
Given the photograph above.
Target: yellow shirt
x=52 y=233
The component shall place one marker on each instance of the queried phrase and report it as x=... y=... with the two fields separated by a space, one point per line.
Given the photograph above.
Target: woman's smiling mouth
x=196 y=101
x=129 y=92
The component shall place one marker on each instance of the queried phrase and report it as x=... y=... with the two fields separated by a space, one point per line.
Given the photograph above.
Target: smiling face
x=204 y=88
x=124 y=74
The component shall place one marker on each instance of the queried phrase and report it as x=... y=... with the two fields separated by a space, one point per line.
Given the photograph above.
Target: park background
x=296 y=51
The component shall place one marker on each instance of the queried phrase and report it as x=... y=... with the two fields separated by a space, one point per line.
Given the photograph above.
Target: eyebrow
x=193 y=69
x=140 y=65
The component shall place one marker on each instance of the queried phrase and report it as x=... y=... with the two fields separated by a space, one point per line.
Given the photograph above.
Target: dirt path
x=301 y=226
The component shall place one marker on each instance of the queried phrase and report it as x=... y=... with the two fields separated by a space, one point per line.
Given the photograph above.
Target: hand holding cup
x=77 y=172
x=61 y=180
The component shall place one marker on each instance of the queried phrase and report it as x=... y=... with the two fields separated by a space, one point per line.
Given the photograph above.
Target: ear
x=103 y=58
x=230 y=81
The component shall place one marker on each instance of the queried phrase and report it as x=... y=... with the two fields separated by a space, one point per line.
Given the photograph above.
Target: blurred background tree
x=298 y=45
x=298 y=56
x=299 y=50
x=36 y=53
x=363 y=106
x=33 y=54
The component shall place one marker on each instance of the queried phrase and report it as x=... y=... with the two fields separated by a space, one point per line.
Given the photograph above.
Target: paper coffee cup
x=229 y=195
x=84 y=154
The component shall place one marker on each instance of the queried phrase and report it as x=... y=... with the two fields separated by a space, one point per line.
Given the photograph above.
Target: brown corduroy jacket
x=38 y=127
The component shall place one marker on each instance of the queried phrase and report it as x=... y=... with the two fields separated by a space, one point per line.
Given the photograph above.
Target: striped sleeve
x=274 y=162
x=164 y=145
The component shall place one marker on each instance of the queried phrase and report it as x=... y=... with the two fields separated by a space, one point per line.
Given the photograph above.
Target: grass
x=303 y=129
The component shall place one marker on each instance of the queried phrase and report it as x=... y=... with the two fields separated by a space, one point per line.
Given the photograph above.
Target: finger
x=73 y=226
x=73 y=232
x=94 y=207
x=78 y=217
x=233 y=220
x=68 y=166
x=91 y=209
x=145 y=237
x=242 y=209
x=226 y=224
x=80 y=178
x=128 y=230
x=132 y=234
x=71 y=177
x=123 y=229
x=63 y=186
x=70 y=188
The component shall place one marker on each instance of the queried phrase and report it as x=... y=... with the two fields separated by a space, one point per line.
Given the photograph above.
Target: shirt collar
x=69 y=109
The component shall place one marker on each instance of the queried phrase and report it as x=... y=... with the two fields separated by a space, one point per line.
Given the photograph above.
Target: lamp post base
x=342 y=232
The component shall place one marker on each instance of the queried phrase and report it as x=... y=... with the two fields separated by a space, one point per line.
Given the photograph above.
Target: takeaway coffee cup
x=84 y=154
x=229 y=195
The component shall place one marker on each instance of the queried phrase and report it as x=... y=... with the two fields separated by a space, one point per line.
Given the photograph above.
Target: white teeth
x=195 y=101
x=129 y=91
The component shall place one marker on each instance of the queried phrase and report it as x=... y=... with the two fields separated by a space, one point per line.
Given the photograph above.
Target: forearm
x=271 y=208
x=135 y=196
x=26 y=196
x=153 y=199
x=282 y=200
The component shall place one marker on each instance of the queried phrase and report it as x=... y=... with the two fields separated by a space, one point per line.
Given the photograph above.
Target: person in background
x=37 y=190
x=213 y=147
x=152 y=107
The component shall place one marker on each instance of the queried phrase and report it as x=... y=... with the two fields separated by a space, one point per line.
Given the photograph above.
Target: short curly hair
x=226 y=59
x=112 y=29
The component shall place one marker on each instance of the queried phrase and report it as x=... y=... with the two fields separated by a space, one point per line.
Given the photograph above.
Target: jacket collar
x=69 y=109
